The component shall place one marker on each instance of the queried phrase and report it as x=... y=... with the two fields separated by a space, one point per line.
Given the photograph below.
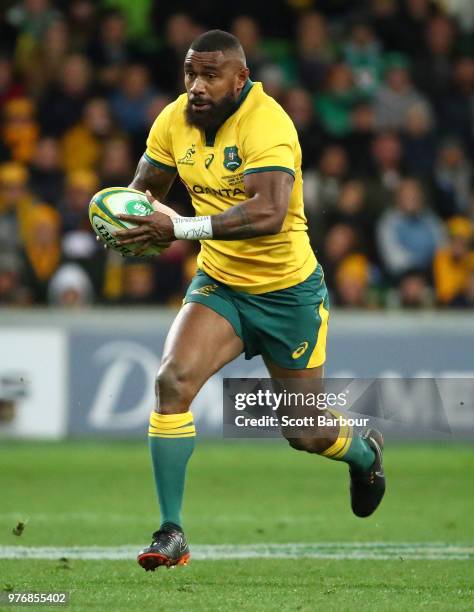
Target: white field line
x=323 y=550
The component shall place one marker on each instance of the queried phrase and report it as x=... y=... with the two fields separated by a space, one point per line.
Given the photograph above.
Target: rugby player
x=258 y=289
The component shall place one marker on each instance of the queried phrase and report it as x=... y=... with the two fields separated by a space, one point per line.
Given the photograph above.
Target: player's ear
x=242 y=76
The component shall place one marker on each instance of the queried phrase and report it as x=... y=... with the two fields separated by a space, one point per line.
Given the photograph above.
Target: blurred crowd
x=381 y=92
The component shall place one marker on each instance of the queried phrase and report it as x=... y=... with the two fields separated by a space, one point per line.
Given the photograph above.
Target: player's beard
x=215 y=116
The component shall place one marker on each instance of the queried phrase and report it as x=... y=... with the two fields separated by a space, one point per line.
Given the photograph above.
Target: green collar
x=211 y=134
x=244 y=93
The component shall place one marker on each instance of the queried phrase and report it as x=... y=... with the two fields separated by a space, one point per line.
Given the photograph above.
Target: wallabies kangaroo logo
x=187 y=158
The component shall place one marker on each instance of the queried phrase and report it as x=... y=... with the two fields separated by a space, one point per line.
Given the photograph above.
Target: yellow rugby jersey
x=259 y=136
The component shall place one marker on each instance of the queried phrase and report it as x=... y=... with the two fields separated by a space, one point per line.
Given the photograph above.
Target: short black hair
x=216 y=40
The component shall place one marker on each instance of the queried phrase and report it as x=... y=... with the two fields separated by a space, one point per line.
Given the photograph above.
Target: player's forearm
x=262 y=214
x=252 y=218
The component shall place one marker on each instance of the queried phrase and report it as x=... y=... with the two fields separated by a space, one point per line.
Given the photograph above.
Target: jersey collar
x=244 y=93
x=211 y=134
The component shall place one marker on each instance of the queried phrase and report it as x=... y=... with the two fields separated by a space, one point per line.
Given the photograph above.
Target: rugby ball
x=104 y=207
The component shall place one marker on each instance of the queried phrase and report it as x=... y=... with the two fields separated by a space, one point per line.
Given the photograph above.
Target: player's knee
x=174 y=381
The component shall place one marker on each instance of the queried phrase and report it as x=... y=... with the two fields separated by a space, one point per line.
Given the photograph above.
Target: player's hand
x=160 y=207
x=151 y=230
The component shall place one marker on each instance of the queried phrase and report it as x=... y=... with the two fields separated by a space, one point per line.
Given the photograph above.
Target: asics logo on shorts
x=206 y=290
x=300 y=350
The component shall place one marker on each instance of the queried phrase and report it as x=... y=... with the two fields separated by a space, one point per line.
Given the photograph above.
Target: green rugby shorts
x=288 y=326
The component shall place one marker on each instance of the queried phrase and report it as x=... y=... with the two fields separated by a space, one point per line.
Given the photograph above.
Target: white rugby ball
x=104 y=207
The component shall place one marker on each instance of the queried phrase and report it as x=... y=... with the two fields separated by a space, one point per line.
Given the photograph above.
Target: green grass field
x=84 y=498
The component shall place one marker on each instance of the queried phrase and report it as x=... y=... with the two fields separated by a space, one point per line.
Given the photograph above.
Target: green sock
x=359 y=455
x=351 y=448
x=171 y=439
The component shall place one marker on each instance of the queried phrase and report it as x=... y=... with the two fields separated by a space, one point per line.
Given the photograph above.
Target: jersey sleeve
x=159 y=151
x=268 y=142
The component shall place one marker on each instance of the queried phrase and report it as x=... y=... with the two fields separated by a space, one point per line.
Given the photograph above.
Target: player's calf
x=310 y=444
x=310 y=437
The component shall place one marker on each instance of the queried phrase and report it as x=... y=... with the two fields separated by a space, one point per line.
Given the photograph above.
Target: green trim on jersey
x=270 y=169
x=158 y=164
x=210 y=137
x=245 y=92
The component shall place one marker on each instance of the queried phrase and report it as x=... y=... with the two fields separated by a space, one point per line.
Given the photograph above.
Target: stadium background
x=382 y=95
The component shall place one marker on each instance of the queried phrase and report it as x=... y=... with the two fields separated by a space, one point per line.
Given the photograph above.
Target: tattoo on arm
x=262 y=214
x=234 y=224
x=157 y=180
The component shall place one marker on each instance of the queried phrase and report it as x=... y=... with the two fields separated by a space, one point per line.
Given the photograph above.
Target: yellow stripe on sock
x=174 y=419
x=339 y=444
x=171 y=425
x=169 y=418
x=175 y=432
x=189 y=435
x=344 y=437
x=347 y=443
